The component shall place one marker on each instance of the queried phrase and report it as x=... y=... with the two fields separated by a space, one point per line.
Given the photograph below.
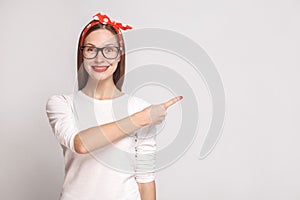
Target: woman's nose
x=100 y=56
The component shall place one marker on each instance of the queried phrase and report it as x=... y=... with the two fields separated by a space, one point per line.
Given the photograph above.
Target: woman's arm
x=60 y=119
x=147 y=190
x=96 y=137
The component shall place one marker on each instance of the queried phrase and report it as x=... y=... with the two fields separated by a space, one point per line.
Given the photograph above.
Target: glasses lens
x=110 y=52
x=89 y=52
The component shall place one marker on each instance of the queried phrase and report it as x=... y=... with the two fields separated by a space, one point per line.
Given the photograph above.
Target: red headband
x=104 y=19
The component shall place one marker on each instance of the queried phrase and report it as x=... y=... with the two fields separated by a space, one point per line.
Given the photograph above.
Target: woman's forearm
x=96 y=137
x=147 y=190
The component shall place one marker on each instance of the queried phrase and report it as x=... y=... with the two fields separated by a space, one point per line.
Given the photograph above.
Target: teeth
x=100 y=67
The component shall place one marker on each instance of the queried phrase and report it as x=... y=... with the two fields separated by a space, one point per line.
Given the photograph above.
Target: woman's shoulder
x=59 y=99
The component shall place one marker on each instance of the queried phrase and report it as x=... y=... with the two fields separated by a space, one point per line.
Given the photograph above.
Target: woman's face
x=101 y=68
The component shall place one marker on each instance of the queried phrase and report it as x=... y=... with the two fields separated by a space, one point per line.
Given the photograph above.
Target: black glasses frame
x=101 y=49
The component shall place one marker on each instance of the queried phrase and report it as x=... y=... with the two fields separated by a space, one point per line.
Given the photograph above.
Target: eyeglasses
x=108 y=52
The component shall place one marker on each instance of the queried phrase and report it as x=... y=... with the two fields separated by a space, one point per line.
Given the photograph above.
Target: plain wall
x=254 y=45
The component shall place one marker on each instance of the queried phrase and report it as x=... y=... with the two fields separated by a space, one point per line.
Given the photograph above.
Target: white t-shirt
x=111 y=172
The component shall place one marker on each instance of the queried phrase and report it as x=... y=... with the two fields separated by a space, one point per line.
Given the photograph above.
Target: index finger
x=171 y=102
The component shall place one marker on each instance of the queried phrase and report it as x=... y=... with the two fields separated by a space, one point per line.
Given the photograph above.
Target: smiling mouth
x=100 y=68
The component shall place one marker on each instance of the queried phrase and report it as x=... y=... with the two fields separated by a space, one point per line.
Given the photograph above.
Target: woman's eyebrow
x=91 y=44
x=109 y=44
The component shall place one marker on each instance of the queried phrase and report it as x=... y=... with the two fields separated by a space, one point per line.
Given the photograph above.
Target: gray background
x=253 y=45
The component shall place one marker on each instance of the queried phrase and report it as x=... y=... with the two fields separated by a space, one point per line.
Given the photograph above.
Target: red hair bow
x=104 y=19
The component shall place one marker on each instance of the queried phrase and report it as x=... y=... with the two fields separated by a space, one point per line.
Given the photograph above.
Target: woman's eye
x=90 y=49
x=109 y=49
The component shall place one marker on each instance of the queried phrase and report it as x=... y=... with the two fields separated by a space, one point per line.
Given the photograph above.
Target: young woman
x=85 y=135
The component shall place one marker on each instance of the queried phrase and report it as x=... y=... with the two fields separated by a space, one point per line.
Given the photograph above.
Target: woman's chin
x=100 y=76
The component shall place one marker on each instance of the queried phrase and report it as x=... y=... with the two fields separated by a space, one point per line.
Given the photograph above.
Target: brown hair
x=118 y=76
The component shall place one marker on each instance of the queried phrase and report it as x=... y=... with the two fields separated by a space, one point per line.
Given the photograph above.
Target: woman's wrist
x=132 y=123
x=139 y=119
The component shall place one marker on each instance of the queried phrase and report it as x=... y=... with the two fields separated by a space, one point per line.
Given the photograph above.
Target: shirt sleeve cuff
x=145 y=178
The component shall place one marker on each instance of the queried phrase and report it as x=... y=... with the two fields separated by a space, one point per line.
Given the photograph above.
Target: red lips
x=100 y=68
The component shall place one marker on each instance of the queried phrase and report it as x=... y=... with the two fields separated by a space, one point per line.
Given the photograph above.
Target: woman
x=101 y=67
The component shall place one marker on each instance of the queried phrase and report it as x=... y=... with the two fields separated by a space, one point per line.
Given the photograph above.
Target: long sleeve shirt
x=111 y=172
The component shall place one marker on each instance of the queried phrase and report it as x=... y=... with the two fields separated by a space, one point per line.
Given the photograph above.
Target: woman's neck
x=105 y=89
